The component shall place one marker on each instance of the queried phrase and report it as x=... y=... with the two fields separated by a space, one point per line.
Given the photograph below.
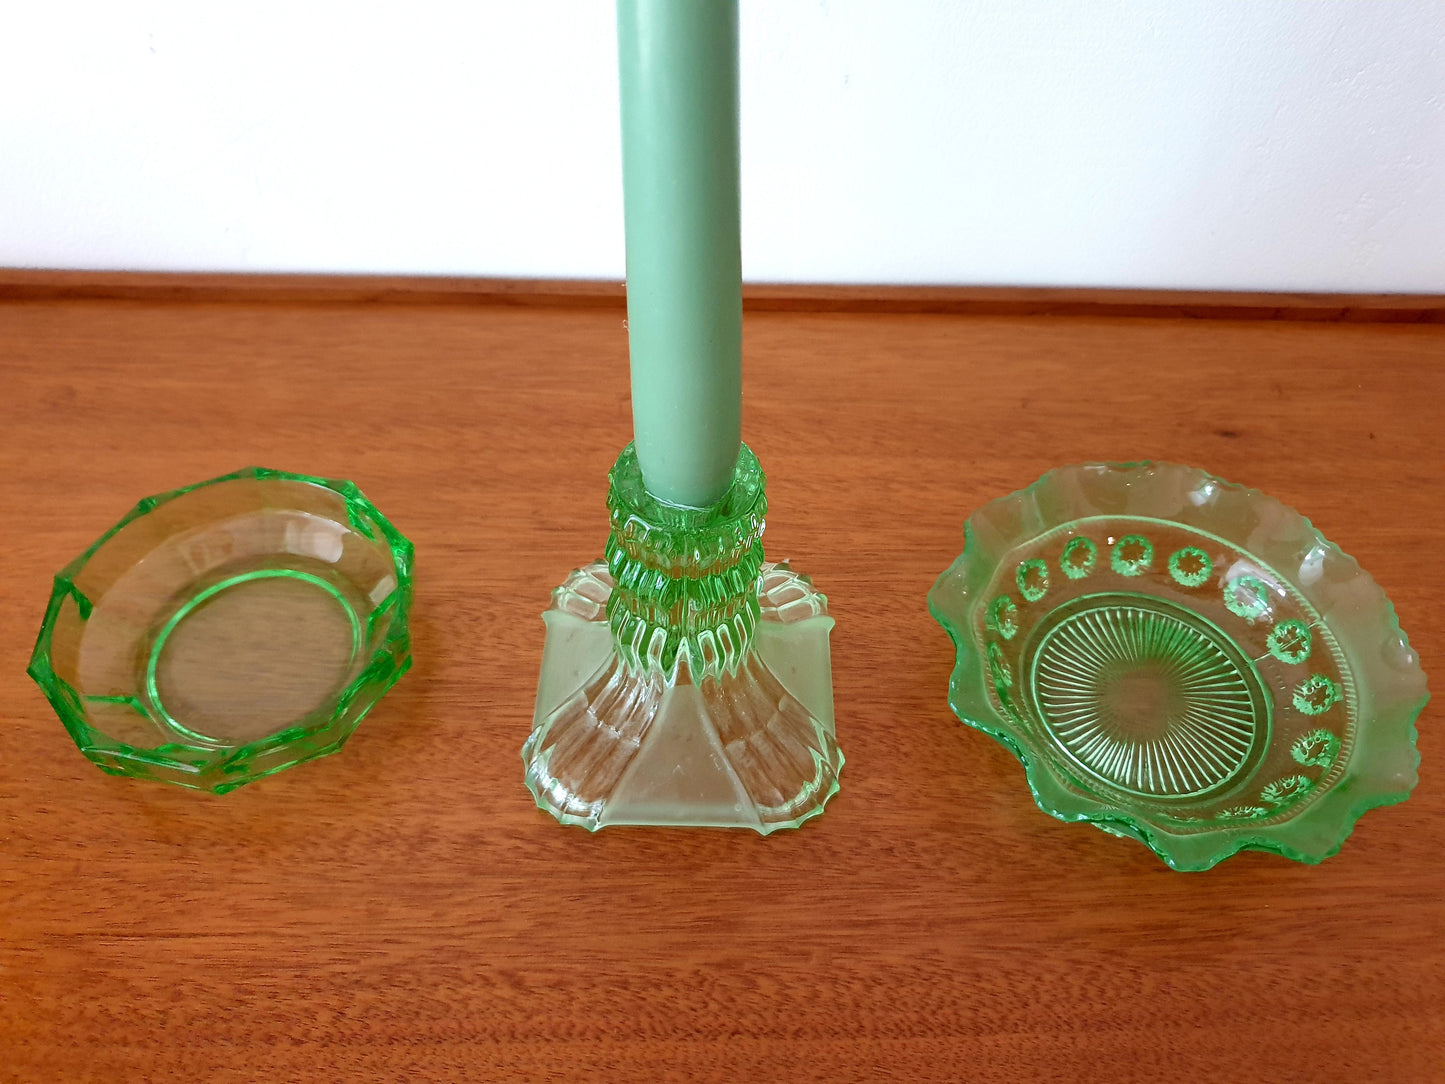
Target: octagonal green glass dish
x=1181 y=661
x=227 y=630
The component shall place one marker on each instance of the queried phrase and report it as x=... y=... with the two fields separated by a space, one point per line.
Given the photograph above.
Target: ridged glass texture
x=1181 y=661
x=228 y=630
x=685 y=681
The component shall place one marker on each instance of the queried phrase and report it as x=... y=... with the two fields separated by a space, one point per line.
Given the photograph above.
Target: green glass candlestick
x=685 y=680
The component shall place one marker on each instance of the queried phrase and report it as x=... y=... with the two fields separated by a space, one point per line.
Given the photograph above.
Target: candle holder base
x=721 y=717
x=754 y=749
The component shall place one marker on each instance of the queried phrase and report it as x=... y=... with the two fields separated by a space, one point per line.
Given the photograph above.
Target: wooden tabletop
x=402 y=911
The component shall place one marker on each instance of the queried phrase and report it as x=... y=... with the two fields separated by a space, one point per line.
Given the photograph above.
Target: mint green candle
x=679 y=81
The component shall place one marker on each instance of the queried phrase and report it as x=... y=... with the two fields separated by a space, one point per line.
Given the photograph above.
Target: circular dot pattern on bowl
x=1184 y=661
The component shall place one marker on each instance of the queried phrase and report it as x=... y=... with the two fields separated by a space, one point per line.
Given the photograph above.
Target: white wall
x=1288 y=144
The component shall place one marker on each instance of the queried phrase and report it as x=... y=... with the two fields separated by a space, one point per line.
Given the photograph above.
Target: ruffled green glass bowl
x=1181 y=661
x=227 y=630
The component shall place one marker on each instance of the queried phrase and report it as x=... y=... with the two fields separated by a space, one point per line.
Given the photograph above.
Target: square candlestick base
x=684 y=681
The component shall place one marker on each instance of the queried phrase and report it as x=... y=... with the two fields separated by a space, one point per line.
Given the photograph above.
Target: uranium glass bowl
x=228 y=630
x=1181 y=661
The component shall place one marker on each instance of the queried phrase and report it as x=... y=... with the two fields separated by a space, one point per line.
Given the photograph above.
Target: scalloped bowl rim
x=1321 y=829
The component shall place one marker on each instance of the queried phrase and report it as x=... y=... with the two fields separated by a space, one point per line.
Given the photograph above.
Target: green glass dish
x=1181 y=661
x=228 y=630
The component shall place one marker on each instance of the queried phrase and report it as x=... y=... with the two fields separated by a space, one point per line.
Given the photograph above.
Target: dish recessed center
x=253 y=655
x=1146 y=696
x=1142 y=699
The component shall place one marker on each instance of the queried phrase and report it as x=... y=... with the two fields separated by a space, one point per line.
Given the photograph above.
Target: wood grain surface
x=401 y=911
x=18 y=284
